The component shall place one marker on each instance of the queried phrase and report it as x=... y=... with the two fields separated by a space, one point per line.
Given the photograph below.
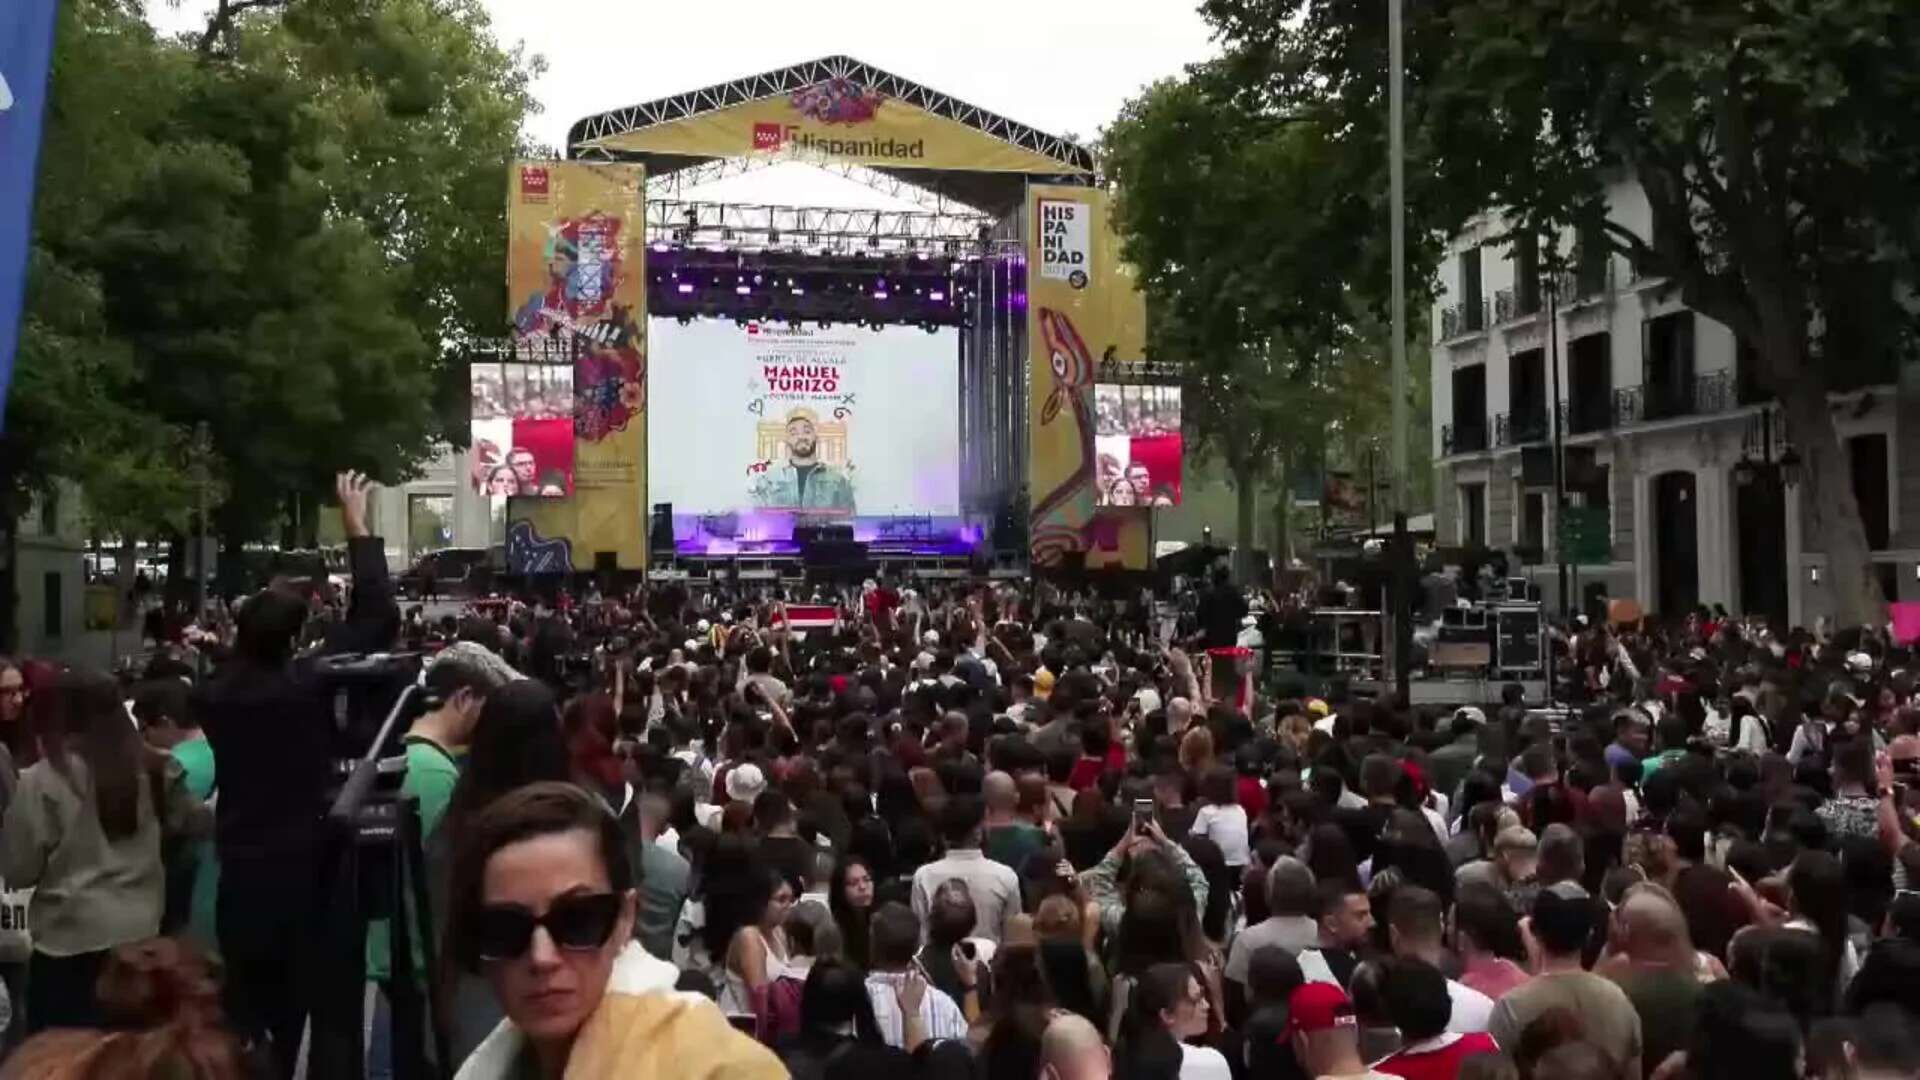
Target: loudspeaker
x=1517 y=639
x=1536 y=466
x=660 y=535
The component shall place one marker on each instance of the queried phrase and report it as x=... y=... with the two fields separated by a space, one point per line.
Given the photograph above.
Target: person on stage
x=803 y=481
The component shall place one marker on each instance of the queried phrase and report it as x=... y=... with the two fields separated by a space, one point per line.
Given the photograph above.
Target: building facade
x=1680 y=480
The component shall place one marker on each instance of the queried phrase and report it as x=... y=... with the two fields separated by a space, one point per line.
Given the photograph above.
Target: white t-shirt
x=1472 y=1010
x=1227 y=827
x=1203 y=1063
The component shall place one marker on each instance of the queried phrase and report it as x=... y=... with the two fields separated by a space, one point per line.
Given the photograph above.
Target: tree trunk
x=123 y=575
x=1243 y=522
x=1283 y=521
x=1832 y=512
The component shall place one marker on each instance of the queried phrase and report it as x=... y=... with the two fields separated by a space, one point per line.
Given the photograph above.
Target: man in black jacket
x=272 y=735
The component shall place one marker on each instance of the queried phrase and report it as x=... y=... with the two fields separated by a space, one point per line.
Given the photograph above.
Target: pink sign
x=1906 y=621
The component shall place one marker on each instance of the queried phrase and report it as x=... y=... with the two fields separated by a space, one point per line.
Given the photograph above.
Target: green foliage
x=276 y=231
x=1775 y=140
x=1258 y=247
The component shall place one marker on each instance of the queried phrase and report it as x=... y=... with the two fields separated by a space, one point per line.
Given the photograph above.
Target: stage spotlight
x=743 y=290
x=799 y=292
x=662 y=248
x=773 y=237
x=936 y=296
x=879 y=294
x=873 y=241
x=686 y=288
x=726 y=234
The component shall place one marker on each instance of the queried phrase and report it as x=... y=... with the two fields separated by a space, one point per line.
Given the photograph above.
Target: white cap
x=745 y=783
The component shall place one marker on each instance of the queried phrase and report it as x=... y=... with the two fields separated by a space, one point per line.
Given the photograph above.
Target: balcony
x=1459 y=320
x=1520 y=427
x=1585 y=284
x=1703 y=396
x=1463 y=437
x=1511 y=304
x=1700 y=396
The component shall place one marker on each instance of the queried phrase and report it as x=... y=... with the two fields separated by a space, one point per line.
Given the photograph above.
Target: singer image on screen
x=803 y=481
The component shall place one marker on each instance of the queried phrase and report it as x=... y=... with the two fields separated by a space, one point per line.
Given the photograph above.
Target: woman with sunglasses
x=543 y=907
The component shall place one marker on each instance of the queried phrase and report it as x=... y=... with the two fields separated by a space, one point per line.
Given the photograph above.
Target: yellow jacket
x=643 y=1028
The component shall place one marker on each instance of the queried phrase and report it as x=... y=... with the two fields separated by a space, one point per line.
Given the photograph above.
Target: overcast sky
x=1062 y=66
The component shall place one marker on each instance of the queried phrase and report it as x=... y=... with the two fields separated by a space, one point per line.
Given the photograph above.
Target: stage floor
x=1453 y=693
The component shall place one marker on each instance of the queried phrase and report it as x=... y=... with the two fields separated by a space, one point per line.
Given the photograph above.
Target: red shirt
x=1087 y=771
x=1253 y=797
x=1438 y=1063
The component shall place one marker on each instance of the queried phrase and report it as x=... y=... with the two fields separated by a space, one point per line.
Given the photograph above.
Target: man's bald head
x=1002 y=795
x=1653 y=926
x=1072 y=1049
x=1179 y=713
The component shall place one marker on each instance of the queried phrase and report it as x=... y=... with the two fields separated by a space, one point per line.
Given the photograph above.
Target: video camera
x=375 y=868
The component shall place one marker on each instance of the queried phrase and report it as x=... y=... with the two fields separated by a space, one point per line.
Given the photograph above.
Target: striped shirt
x=941 y=1017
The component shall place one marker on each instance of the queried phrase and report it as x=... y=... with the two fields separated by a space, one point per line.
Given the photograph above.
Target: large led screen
x=1136 y=445
x=522 y=434
x=834 y=422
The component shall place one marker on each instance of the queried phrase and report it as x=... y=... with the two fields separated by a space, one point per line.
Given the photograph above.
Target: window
x=1867 y=461
x=1592 y=258
x=52 y=613
x=1526 y=274
x=1473 y=515
x=1527 y=396
x=1666 y=353
x=1471 y=299
x=1590 y=384
x=1469 y=408
x=50 y=513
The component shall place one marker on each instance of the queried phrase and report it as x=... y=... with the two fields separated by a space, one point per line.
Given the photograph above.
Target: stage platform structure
x=1040 y=311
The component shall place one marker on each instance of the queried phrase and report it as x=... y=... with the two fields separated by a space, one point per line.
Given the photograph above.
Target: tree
x=1776 y=143
x=1250 y=241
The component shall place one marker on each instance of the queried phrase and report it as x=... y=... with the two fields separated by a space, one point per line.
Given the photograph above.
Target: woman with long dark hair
x=837 y=1028
x=850 y=897
x=84 y=832
x=1023 y=1001
x=1817 y=899
x=1170 y=1006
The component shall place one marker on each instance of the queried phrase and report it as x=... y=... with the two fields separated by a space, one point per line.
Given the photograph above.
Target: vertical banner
x=26 y=51
x=1082 y=307
x=577 y=294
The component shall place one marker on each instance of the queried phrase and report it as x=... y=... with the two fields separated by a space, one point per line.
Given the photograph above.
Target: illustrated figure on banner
x=803 y=475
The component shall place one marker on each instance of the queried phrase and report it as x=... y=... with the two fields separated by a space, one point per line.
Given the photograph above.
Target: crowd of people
x=980 y=830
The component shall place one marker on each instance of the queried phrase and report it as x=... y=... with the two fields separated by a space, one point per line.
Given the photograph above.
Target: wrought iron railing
x=1463 y=437
x=1459 y=320
x=1627 y=406
x=1520 y=427
x=1584 y=283
x=1702 y=395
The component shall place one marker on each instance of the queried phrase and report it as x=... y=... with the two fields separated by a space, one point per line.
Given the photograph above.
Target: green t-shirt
x=196 y=760
x=1010 y=845
x=431 y=774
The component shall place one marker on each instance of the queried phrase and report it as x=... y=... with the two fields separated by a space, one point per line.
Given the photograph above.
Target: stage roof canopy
x=839 y=112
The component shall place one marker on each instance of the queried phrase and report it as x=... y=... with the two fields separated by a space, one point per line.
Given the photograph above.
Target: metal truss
x=752 y=227
x=681 y=183
x=798 y=77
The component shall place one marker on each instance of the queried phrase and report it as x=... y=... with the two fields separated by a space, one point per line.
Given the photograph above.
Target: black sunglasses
x=576 y=923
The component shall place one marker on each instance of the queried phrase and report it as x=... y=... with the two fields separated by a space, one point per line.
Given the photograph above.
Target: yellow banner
x=1082 y=307
x=836 y=121
x=576 y=280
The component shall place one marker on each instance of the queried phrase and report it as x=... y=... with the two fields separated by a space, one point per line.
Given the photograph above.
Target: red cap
x=1318 y=1006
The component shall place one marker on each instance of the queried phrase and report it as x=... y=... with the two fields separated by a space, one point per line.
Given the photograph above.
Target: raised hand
x=353 y=488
